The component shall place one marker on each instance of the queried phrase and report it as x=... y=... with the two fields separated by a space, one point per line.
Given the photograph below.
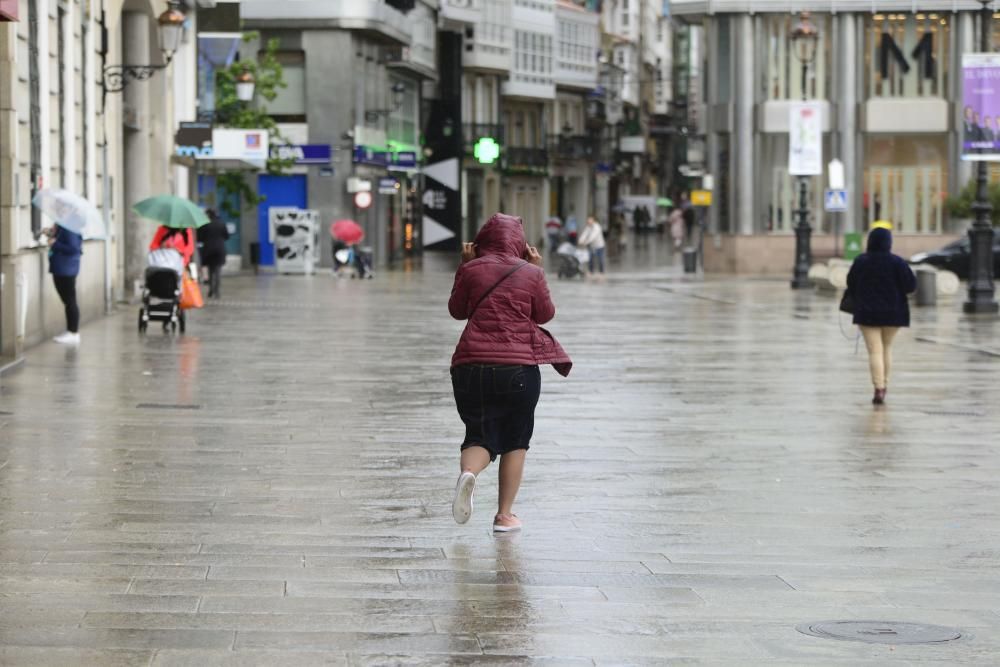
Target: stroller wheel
x=142 y=321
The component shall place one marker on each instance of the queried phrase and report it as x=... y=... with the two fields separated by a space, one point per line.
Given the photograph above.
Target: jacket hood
x=880 y=240
x=501 y=235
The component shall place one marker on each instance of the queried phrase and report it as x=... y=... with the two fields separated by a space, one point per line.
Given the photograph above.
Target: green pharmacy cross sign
x=487 y=150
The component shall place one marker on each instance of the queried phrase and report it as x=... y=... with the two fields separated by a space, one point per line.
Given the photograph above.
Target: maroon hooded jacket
x=505 y=329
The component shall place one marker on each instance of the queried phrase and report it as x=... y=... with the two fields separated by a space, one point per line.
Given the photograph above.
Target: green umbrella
x=172 y=211
x=665 y=202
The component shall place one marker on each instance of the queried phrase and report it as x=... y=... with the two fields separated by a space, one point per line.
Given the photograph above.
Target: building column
x=743 y=130
x=965 y=42
x=138 y=148
x=847 y=118
x=10 y=343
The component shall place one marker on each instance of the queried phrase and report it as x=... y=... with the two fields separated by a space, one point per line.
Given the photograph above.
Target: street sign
x=701 y=198
x=835 y=201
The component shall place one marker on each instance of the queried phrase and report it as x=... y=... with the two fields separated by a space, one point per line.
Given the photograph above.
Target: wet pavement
x=275 y=486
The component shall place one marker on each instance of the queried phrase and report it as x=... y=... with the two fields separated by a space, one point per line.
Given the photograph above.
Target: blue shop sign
x=303 y=154
x=404 y=159
x=368 y=155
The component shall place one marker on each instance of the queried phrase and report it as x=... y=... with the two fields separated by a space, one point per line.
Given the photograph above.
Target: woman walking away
x=65 y=248
x=592 y=239
x=500 y=289
x=212 y=238
x=878 y=284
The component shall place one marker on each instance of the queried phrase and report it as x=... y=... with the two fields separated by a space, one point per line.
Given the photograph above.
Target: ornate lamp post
x=981 y=291
x=171 y=25
x=805 y=40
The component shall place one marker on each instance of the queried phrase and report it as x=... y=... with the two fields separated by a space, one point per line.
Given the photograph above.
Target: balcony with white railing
x=421 y=55
x=576 y=47
x=367 y=15
x=532 y=73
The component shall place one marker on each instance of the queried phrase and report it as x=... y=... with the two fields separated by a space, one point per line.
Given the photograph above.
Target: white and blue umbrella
x=71 y=211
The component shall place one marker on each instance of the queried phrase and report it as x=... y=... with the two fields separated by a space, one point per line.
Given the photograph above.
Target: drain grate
x=166 y=406
x=881 y=632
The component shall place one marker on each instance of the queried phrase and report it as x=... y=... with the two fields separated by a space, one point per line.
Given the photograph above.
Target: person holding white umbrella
x=74 y=217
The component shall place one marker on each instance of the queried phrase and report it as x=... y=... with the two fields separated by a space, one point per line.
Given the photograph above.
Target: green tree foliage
x=231 y=112
x=960 y=205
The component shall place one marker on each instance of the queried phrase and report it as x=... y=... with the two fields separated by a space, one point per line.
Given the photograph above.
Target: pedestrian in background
x=592 y=239
x=65 y=249
x=878 y=284
x=500 y=289
x=571 y=230
x=553 y=230
x=677 y=227
x=212 y=240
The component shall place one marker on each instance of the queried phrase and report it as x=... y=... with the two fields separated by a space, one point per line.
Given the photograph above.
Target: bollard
x=690 y=260
x=926 y=287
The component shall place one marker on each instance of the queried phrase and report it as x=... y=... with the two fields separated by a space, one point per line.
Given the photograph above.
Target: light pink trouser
x=878 y=340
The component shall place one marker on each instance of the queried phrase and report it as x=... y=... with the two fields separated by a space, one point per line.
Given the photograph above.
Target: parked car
x=954 y=257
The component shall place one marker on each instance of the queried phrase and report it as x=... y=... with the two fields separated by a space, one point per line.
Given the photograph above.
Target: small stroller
x=161 y=293
x=571 y=260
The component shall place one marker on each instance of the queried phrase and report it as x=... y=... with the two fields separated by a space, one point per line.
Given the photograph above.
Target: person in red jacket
x=181 y=240
x=500 y=289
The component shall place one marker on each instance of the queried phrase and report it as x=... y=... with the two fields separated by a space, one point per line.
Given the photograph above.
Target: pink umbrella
x=347 y=231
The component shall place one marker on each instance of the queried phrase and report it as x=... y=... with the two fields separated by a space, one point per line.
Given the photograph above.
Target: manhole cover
x=881 y=632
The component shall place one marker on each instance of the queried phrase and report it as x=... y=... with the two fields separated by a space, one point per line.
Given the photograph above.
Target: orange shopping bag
x=190 y=293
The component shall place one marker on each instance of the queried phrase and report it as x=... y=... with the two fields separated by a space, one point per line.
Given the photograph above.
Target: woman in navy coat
x=879 y=283
x=65 y=249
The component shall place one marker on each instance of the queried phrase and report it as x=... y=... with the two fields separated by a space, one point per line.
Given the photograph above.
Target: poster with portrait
x=981 y=107
x=805 y=139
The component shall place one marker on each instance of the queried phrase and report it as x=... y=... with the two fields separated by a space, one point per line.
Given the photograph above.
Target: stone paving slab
x=275 y=486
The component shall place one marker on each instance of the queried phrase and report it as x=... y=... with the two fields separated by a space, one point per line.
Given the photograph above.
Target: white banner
x=805 y=139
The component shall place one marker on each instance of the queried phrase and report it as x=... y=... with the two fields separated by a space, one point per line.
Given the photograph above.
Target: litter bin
x=690 y=260
x=255 y=256
x=926 y=287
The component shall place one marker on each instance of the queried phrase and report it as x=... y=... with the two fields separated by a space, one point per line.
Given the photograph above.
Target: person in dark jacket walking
x=500 y=289
x=65 y=249
x=212 y=240
x=878 y=284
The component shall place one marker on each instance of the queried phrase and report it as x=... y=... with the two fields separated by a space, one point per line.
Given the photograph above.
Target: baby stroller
x=571 y=260
x=161 y=293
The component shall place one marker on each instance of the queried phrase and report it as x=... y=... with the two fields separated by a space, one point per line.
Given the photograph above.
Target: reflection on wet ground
x=275 y=486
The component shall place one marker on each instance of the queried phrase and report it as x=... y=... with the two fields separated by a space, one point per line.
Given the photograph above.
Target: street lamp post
x=981 y=291
x=805 y=39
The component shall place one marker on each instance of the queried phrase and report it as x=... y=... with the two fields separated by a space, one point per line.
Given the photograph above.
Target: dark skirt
x=497 y=404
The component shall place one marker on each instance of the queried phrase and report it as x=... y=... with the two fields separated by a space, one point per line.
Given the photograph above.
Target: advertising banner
x=805 y=139
x=981 y=107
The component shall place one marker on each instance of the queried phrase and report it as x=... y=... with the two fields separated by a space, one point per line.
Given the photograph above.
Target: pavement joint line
x=970 y=348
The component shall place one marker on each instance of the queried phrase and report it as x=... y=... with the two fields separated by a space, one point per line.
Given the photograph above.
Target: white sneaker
x=68 y=338
x=464 y=490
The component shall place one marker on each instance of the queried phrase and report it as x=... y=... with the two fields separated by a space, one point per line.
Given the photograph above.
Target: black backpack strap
x=504 y=277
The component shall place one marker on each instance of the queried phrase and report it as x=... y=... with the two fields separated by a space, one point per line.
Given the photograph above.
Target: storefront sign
x=303 y=154
x=368 y=155
x=805 y=139
x=981 y=107
x=202 y=141
x=403 y=160
x=194 y=140
x=701 y=197
x=387 y=185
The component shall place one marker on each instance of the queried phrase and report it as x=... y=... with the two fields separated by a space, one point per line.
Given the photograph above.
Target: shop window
x=782 y=70
x=906 y=182
x=780 y=190
x=906 y=55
